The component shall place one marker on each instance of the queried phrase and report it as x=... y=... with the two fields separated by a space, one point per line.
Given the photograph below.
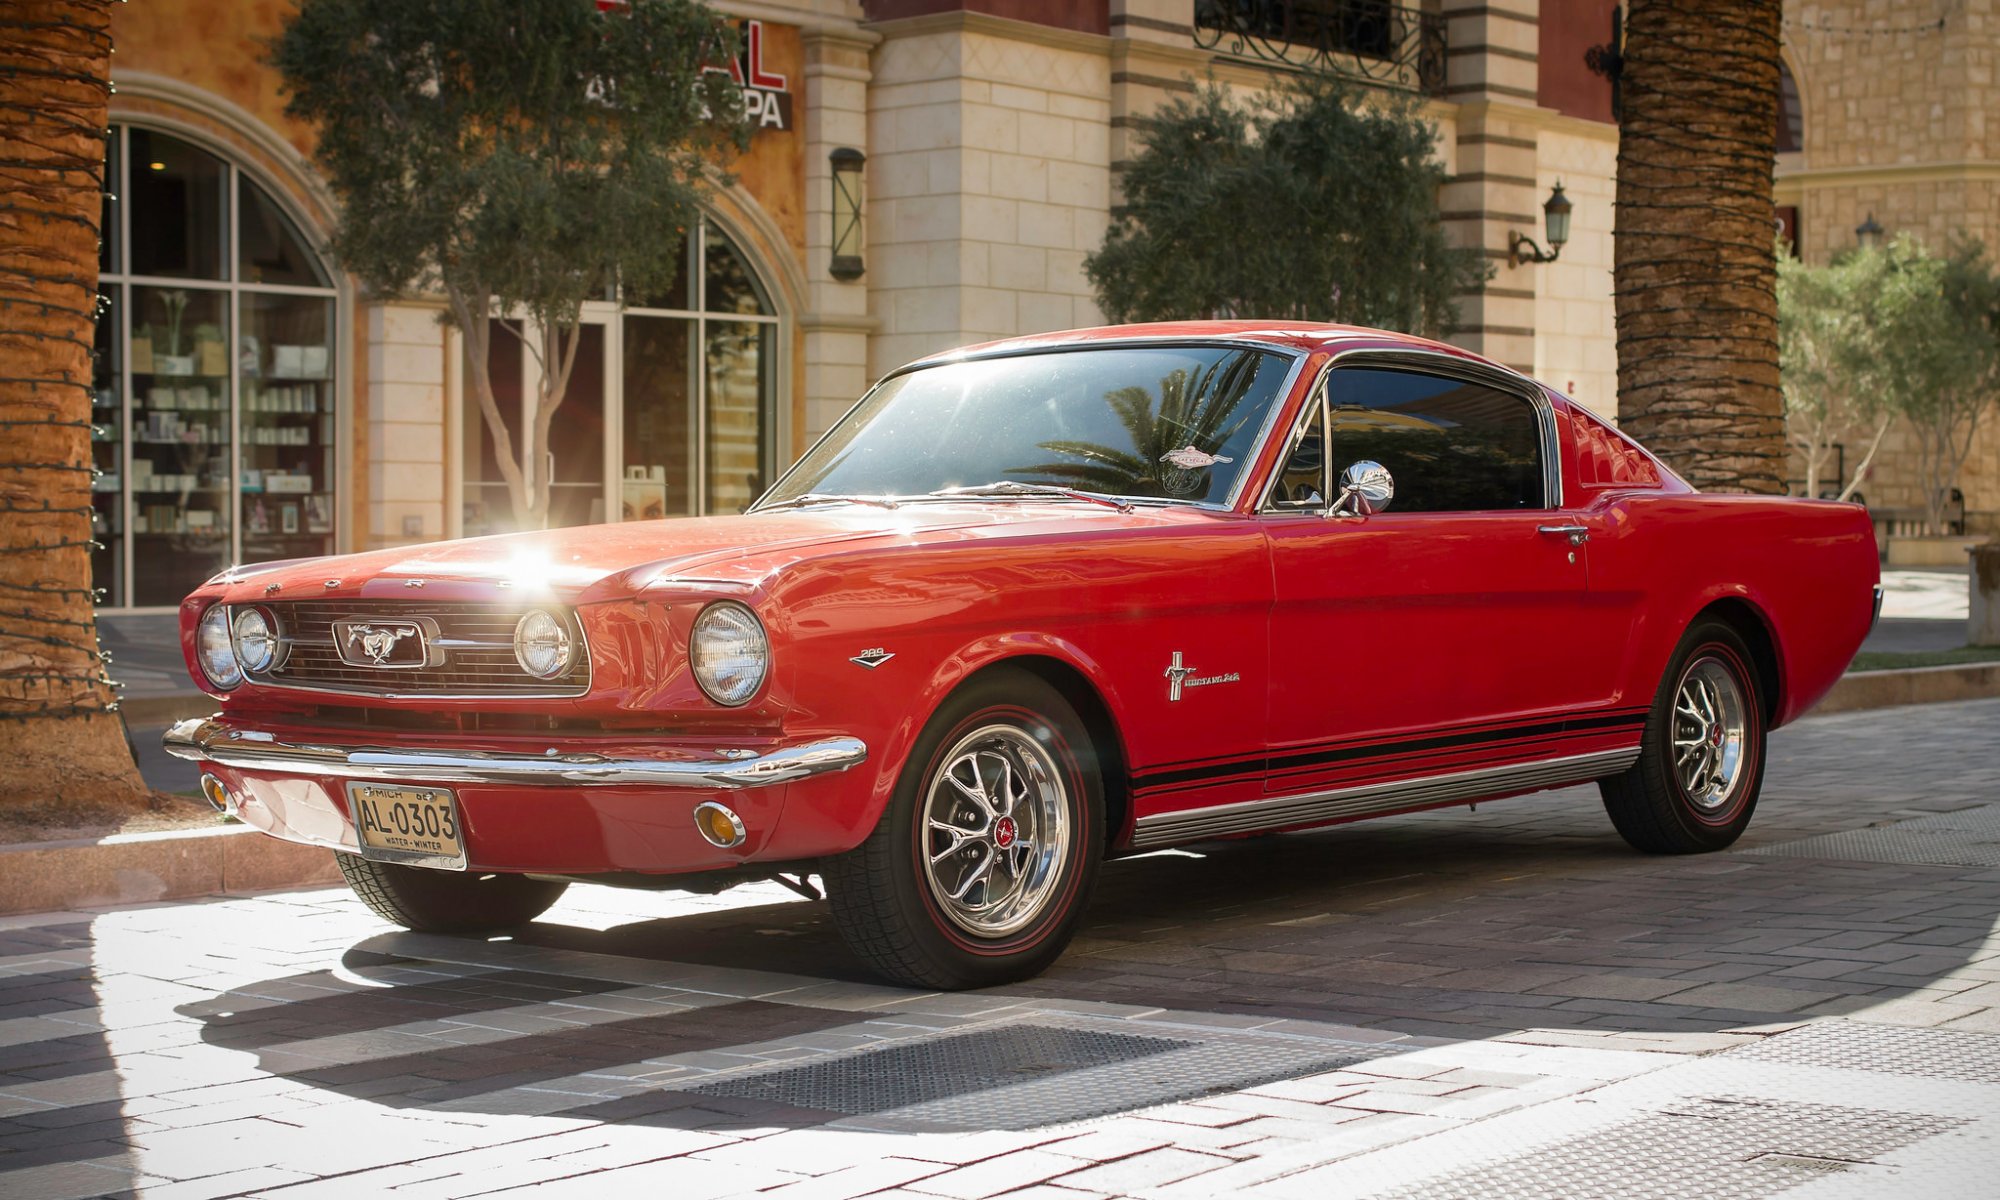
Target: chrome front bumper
x=206 y=739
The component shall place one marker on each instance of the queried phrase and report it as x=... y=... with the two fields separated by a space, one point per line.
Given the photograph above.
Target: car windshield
x=1166 y=423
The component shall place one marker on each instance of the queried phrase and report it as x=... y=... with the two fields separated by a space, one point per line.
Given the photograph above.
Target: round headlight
x=541 y=644
x=213 y=649
x=729 y=653
x=256 y=640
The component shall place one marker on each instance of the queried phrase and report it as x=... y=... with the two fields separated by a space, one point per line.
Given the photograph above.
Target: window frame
x=1438 y=364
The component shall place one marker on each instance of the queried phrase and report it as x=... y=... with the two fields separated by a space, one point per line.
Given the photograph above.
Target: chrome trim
x=1332 y=804
x=1577 y=534
x=207 y=739
x=1437 y=362
x=1877 y=614
x=1285 y=390
x=576 y=618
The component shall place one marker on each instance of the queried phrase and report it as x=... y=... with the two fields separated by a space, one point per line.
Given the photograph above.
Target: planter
x=1930 y=551
x=135 y=868
x=1983 y=611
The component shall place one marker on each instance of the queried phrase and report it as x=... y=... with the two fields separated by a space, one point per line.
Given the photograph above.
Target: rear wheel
x=1701 y=757
x=980 y=868
x=447 y=901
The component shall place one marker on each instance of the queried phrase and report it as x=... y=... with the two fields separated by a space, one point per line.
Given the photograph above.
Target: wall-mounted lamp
x=1868 y=233
x=847 y=164
x=1556 y=213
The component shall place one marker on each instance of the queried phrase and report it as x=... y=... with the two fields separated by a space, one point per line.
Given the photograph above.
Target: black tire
x=1652 y=805
x=430 y=901
x=895 y=911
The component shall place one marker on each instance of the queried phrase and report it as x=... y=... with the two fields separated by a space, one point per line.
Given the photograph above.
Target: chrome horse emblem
x=377 y=642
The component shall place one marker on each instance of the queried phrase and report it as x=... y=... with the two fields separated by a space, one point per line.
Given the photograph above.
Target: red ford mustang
x=1026 y=606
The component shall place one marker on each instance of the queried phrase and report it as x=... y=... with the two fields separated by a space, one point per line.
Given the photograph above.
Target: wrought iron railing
x=1375 y=41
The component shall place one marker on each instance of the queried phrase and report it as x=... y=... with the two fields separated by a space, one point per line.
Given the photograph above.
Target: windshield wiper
x=1012 y=487
x=829 y=498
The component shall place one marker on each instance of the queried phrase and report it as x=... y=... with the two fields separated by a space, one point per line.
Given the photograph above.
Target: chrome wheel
x=996 y=830
x=1711 y=724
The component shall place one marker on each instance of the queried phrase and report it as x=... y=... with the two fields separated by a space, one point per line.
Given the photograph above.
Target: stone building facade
x=992 y=132
x=1898 y=119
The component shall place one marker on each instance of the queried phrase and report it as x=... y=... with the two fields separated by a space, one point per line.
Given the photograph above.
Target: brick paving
x=1498 y=985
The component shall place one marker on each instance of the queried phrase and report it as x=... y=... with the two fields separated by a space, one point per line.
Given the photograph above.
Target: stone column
x=836 y=322
x=1491 y=74
x=405 y=457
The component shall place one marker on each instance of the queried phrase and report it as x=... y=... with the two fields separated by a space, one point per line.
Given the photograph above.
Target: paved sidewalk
x=1504 y=1002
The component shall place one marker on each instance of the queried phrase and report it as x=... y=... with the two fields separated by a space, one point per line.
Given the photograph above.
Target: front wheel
x=1701 y=757
x=431 y=901
x=980 y=868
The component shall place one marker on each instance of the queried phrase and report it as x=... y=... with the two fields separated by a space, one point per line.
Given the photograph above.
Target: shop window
x=675 y=391
x=213 y=412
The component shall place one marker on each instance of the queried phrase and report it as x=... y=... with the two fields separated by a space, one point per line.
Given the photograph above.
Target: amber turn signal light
x=217 y=794
x=718 y=826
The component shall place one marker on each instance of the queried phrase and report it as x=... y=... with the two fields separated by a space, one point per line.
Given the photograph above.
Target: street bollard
x=1983 y=611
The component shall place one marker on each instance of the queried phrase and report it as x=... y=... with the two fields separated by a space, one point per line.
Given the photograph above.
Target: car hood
x=599 y=562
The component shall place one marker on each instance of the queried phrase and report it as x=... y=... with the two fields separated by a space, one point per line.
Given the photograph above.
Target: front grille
x=474 y=655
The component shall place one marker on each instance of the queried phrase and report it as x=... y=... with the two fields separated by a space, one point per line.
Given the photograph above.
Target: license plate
x=412 y=825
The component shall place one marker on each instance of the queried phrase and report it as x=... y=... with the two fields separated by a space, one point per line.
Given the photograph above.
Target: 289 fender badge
x=872 y=658
x=1180 y=676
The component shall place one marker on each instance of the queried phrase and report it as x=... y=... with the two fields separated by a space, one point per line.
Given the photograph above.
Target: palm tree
x=1694 y=263
x=1193 y=410
x=62 y=745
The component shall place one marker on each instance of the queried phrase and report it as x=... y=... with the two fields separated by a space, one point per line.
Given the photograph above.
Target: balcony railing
x=1374 y=41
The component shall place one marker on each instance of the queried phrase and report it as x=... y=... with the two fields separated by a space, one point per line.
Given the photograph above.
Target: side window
x=1452 y=446
x=1302 y=476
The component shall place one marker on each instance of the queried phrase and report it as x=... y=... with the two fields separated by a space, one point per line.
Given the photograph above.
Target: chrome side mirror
x=1365 y=489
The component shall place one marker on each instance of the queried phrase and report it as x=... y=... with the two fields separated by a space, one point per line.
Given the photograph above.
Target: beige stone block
x=988 y=128
x=1027 y=99
x=893 y=176
x=385 y=521
x=1023 y=268
x=1091 y=142
x=408 y=324
x=1090 y=226
x=1094 y=110
x=405 y=441
x=926 y=310
x=835 y=347
x=1048 y=225
x=923 y=219
x=394 y=362
x=989 y=312
x=993 y=218
x=975 y=172
x=418 y=402
x=1046 y=136
x=961 y=263
x=899 y=264
x=390 y=481
x=1079 y=184
x=843 y=127
x=1039 y=312
x=1085 y=313
x=1020 y=178
x=1065 y=272
x=930 y=127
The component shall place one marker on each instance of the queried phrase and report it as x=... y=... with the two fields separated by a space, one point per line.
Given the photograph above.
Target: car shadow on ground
x=1524 y=915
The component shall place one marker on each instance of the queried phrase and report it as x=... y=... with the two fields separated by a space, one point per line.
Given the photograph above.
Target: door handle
x=1577 y=534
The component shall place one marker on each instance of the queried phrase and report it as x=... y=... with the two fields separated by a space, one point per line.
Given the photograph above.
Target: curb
x=1860 y=690
x=136 y=868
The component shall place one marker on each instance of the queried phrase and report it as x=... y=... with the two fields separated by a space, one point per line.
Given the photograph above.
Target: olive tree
x=517 y=157
x=1311 y=204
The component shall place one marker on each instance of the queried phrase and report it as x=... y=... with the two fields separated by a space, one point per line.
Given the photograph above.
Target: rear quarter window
x=1606 y=458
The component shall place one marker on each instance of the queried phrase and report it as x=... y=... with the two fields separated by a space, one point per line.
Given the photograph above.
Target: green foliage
x=1894 y=331
x=1309 y=206
x=526 y=150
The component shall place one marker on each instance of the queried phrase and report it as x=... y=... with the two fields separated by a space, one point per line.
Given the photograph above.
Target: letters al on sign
x=767 y=98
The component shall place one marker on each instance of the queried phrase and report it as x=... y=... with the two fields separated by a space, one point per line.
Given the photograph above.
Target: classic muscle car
x=1029 y=605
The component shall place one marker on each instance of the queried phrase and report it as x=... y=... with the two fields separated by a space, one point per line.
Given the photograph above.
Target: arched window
x=1791 y=124
x=671 y=407
x=213 y=421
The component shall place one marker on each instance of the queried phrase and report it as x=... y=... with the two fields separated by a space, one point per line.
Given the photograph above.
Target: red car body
x=1334 y=668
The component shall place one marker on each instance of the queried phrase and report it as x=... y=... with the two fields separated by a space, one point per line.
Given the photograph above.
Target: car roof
x=1297 y=336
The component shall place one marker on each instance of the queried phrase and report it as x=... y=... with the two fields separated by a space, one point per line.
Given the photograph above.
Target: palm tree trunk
x=1694 y=262
x=62 y=744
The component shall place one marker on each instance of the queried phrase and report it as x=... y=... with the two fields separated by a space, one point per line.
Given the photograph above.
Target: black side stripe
x=1216 y=772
